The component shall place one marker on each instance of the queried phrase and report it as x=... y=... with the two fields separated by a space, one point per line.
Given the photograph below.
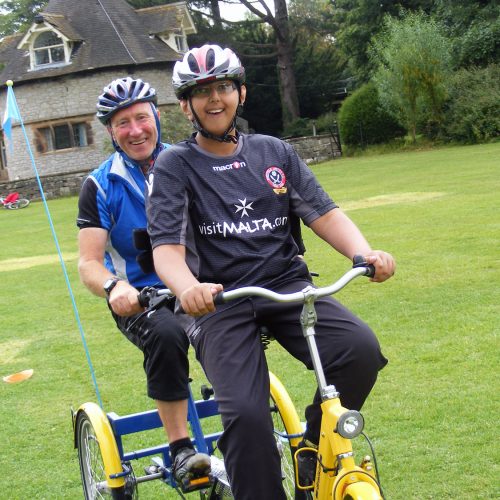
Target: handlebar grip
x=371 y=270
x=144 y=296
x=219 y=299
x=359 y=261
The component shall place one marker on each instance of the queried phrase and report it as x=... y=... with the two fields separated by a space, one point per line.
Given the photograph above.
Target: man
x=111 y=206
x=219 y=214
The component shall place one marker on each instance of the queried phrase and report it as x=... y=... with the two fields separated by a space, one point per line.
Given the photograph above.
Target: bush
x=480 y=44
x=326 y=123
x=175 y=126
x=298 y=128
x=473 y=110
x=362 y=120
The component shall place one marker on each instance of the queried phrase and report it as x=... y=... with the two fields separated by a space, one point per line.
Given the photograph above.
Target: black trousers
x=228 y=346
x=165 y=345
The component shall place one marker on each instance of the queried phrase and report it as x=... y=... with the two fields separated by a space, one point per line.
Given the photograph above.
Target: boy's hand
x=385 y=265
x=198 y=299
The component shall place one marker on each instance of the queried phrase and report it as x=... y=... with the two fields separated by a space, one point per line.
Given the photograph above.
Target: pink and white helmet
x=203 y=65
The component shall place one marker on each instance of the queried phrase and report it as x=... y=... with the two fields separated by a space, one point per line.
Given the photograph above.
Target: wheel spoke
x=284 y=450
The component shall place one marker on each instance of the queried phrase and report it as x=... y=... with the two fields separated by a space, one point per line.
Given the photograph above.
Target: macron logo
x=230 y=166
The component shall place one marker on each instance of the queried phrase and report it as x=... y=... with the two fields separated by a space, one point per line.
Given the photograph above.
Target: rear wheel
x=98 y=456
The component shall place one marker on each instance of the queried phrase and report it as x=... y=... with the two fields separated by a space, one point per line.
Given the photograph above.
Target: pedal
x=196 y=483
x=156 y=469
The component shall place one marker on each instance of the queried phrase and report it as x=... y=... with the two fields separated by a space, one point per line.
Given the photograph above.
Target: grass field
x=432 y=413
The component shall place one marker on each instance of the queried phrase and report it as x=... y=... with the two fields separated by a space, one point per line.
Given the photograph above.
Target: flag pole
x=12 y=113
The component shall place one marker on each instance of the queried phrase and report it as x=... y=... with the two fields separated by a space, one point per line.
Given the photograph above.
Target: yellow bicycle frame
x=337 y=475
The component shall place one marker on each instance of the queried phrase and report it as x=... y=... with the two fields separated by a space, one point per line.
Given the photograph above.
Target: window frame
x=65 y=44
x=46 y=138
x=181 y=43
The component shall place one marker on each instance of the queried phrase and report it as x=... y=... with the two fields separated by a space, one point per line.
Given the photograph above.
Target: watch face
x=109 y=285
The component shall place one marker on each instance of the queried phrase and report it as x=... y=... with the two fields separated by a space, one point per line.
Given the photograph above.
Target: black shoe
x=189 y=464
x=306 y=463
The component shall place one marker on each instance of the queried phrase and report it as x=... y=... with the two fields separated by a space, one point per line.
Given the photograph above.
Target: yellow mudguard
x=286 y=408
x=107 y=442
x=362 y=491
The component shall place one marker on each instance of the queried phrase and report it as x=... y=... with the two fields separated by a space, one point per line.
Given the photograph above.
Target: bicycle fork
x=336 y=470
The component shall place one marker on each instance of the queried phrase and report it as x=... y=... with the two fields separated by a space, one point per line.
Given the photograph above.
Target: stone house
x=61 y=64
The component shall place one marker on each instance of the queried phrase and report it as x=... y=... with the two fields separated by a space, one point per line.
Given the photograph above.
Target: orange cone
x=14 y=378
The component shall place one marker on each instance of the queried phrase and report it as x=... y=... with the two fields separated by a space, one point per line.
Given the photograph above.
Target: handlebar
x=153 y=298
x=360 y=268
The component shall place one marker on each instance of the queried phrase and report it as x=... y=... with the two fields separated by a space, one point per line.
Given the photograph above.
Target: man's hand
x=123 y=299
x=385 y=265
x=198 y=299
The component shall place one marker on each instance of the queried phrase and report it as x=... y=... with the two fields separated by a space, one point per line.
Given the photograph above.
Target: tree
x=412 y=57
x=473 y=109
x=357 y=21
x=19 y=14
x=315 y=57
x=474 y=27
x=282 y=48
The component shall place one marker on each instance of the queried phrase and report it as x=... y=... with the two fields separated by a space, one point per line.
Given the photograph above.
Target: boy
x=219 y=212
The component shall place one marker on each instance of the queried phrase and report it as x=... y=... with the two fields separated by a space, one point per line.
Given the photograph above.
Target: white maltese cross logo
x=243 y=207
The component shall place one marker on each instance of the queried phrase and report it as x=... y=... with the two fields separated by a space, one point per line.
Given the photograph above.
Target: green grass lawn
x=432 y=414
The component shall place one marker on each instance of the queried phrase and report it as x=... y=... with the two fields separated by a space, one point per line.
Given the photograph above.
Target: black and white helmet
x=206 y=64
x=121 y=93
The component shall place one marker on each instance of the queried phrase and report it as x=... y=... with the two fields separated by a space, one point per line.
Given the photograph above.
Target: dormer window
x=48 y=48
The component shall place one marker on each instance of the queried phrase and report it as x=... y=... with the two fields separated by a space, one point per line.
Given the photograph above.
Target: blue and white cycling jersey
x=112 y=198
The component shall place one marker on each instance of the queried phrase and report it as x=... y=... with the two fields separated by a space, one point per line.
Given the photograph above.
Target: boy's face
x=215 y=105
x=134 y=130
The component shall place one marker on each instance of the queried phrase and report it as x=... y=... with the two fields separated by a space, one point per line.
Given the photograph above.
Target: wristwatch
x=110 y=284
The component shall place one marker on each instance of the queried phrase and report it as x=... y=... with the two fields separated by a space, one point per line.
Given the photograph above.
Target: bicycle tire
x=361 y=491
x=22 y=203
x=98 y=456
x=286 y=423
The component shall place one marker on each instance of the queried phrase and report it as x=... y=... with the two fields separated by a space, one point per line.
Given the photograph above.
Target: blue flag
x=11 y=113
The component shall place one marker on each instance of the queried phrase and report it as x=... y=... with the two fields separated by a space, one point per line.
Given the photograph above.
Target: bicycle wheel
x=288 y=432
x=21 y=203
x=98 y=456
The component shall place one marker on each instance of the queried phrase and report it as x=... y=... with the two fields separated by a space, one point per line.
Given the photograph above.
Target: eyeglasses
x=222 y=88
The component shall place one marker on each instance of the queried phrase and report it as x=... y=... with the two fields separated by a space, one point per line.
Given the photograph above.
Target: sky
x=237 y=12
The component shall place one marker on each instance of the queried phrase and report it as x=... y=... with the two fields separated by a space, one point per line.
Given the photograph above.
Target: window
x=48 y=48
x=180 y=43
x=65 y=135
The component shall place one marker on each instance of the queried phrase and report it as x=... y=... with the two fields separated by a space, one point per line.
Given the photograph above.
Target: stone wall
x=317 y=148
x=54 y=186
x=71 y=97
x=312 y=149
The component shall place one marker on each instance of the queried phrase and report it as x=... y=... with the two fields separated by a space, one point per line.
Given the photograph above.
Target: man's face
x=134 y=130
